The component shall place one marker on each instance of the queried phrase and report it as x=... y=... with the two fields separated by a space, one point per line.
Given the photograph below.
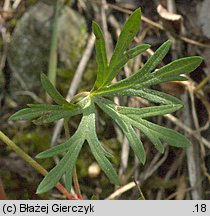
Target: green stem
x=32 y=162
x=75 y=178
x=53 y=47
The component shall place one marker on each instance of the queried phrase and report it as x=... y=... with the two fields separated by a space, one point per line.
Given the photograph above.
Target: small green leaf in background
x=94 y=197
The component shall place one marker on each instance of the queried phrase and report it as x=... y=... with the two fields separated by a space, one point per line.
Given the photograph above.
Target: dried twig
x=16 y=4
x=171 y=196
x=139 y=188
x=7 y=5
x=30 y=94
x=154 y=165
x=196 y=123
x=6 y=38
x=122 y=190
x=124 y=158
x=177 y=162
x=193 y=154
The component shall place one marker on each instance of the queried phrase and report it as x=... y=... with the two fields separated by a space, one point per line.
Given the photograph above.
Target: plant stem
x=33 y=163
x=202 y=83
x=139 y=188
x=75 y=178
x=79 y=95
x=76 y=184
x=53 y=47
x=2 y=193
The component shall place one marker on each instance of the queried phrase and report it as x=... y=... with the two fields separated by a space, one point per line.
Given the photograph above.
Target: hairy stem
x=33 y=163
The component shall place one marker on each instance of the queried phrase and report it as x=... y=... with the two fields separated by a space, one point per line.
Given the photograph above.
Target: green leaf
x=34 y=112
x=46 y=113
x=56 y=149
x=148 y=94
x=26 y=114
x=141 y=74
x=132 y=53
x=67 y=162
x=149 y=111
x=97 y=150
x=170 y=71
x=73 y=146
x=136 y=144
x=45 y=106
x=125 y=117
x=127 y=34
x=130 y=29
x=68 y=180
x=180 y=66
x=152 y=80
x=103 y=162
x=127 y=56
x=152 y=62
x=94 y=197
x=128 y=119
x=54 y=115
x=154 y=139
x=78 y=135
x=53 y=92
x=153 y=96
x=152 y=136
x=167 y=135
x=101 y=56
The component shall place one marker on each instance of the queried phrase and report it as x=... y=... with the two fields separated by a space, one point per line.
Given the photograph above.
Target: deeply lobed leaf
x=67 y=162
x=84 y=132
x=128 y=119
x=136 y=144
x=170 y=136
x=137 y=77
x=132 y=53
x=127 y=34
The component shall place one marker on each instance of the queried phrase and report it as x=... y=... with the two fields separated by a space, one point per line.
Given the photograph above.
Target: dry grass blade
x=121 y=190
